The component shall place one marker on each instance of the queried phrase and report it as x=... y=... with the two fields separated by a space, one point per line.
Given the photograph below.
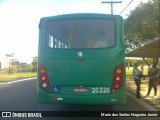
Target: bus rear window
x=80 y=34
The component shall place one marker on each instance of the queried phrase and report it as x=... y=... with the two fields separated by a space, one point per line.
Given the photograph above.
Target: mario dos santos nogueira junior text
x=130 y=114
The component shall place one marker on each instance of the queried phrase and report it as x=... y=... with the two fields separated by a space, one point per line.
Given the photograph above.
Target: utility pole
x=111 y=2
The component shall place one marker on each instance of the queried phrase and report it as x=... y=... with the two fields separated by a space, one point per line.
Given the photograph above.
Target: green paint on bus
x=81 y=59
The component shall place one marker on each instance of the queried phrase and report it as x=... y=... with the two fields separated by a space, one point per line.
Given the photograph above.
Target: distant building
x=8 y=62
x=16 y=63
x=5 y=62
x=22 y=65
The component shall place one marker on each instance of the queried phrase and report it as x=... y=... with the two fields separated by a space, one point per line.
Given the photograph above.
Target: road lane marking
x=6 y=83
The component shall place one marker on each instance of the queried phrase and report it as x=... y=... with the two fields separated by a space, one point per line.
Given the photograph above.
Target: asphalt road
x=21 y=96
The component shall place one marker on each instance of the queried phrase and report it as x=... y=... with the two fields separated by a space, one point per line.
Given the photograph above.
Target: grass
x=16 y=76
x=130 y=70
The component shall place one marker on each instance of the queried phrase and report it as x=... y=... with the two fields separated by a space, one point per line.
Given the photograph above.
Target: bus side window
x=50 y=41
x=56 y=43
x=53 y=42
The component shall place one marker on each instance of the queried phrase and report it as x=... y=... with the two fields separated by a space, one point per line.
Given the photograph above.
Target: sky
x=19 y=21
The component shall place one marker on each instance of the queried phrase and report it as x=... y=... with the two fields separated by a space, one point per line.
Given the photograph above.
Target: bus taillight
x=43 y=81
x=117 y=79
x=43 y=78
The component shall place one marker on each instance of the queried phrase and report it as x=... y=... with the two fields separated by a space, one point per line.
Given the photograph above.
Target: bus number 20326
x=100 y=90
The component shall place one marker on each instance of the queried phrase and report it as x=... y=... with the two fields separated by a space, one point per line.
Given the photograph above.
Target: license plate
x=80 y=90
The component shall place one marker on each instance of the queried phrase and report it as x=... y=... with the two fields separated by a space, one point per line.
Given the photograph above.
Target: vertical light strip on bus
x=43 y=79
x=117 y=78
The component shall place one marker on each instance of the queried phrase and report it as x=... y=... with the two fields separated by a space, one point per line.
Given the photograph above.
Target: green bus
x=81 y=59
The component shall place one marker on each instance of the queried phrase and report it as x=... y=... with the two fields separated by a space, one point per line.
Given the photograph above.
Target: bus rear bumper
x=51 y=98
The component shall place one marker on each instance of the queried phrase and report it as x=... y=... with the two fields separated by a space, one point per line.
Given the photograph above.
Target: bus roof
x=80 y=16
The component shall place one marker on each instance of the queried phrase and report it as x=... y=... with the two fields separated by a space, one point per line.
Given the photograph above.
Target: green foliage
x=25 y=68
x=22 y=67
x=16 y=76
x=130 y=62
x=34 y=64
x=143 y=24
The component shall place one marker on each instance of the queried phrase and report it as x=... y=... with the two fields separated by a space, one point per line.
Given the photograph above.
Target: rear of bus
x=81 y=59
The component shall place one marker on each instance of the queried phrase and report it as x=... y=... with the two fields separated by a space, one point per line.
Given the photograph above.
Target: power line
x=126 y=7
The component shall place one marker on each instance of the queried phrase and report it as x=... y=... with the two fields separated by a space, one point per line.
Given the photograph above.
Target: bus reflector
x=43 y=80
x=117 y=86
x=117 y=79
x=44 y=85
x=56 y=98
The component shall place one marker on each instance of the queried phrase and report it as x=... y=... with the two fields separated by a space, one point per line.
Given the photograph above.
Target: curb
x=17 y=81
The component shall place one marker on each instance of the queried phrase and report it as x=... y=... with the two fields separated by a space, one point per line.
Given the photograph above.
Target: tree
x=142 y=25
x=34 y=64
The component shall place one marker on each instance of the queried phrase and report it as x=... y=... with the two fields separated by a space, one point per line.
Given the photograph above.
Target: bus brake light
x=43 y=81
x=117 y=79
x=43 y=78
